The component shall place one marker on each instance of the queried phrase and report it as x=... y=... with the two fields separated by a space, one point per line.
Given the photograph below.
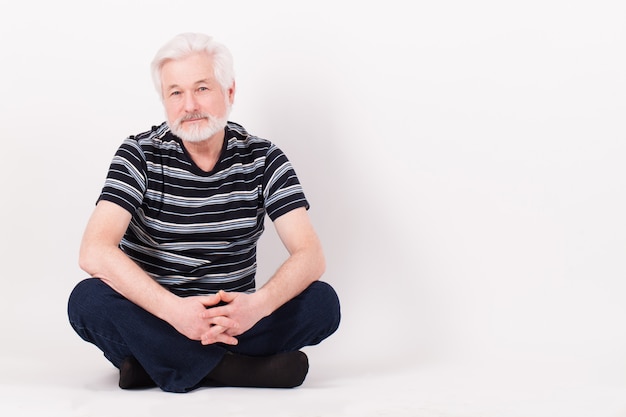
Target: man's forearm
x=117 y=270
x=294 y=276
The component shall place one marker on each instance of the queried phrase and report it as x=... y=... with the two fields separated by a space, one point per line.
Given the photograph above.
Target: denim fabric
x=175 y=363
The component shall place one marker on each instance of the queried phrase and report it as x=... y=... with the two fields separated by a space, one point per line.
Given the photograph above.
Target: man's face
x=195 y=104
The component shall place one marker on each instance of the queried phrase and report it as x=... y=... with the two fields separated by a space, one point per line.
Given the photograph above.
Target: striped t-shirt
x=195 y=232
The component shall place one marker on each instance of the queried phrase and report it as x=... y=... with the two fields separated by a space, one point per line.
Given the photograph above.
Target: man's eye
x=175 y=93
x=203 y=89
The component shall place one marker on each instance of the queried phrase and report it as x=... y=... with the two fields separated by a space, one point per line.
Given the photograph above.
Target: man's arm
x=101 y=257
x=304 y=265
x=306 y=262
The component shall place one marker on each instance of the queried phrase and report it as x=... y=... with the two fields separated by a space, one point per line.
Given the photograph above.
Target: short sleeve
x=125 y=183
x=282 y=190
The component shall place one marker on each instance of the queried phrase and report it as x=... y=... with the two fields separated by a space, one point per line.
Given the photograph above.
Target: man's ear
x=231 y=93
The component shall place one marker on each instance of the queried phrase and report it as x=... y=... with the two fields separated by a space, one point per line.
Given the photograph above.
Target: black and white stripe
x=195 y=232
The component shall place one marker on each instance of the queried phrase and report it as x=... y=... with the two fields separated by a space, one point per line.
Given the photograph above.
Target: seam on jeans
x=77 y=327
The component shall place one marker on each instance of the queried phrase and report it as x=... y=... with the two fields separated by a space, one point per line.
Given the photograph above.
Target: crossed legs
x=148 y=350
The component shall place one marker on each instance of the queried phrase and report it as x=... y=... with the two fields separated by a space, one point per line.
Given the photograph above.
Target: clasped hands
x=216 y=318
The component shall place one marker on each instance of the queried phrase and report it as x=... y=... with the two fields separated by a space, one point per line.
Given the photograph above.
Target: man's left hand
x=244 y=309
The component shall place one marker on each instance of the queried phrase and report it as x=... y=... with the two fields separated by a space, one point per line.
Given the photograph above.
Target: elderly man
x=171 y=245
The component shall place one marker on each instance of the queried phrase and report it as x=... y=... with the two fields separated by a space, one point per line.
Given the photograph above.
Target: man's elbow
x=88 y=259
x=84 y=262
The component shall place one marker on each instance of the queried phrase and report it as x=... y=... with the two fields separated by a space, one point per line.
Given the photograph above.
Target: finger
x=217 y=335
x=215 y=312
x=227 y=297
x=233 y=331
x=226 y=339
x=211 y=335
x=224 y=322
x=210 y=300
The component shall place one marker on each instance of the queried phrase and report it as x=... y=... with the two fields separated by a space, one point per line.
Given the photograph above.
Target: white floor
x=88 y=387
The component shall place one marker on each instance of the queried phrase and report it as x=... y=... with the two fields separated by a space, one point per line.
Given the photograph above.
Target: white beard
x=196 y=132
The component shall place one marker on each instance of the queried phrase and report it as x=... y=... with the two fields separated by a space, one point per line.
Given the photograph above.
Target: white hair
x=186 y=44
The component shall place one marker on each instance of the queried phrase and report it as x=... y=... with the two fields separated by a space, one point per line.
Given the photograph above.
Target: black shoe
x=133 y=376
x=283 y=370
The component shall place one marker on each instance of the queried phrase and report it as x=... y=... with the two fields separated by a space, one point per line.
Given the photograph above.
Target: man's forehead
x=187 y=71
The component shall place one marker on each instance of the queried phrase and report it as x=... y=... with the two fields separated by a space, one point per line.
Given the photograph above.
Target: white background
x=464 y=161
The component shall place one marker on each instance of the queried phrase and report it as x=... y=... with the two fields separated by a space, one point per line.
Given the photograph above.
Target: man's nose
x=191 y=103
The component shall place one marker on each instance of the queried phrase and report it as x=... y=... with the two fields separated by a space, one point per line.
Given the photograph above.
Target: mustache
x=192 y=116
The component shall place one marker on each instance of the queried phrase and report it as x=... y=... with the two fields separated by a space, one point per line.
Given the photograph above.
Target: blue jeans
x=175 y=363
